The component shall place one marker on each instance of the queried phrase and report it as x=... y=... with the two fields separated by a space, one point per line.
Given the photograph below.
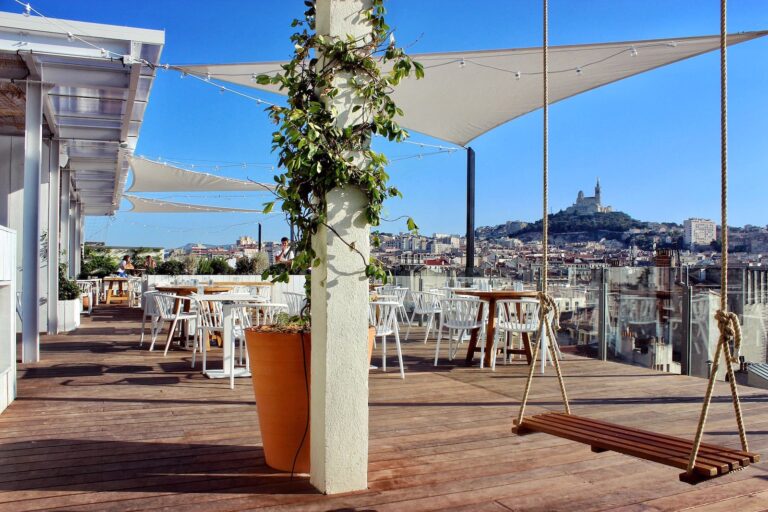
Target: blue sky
x=653 y=139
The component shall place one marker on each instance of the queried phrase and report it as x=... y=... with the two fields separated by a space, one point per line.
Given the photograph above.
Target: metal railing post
x=687 y=313
x=602 y=351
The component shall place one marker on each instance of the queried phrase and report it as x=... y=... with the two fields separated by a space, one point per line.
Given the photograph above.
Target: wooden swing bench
x=712 y=461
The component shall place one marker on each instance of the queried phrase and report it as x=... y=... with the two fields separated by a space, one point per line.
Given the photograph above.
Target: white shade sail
x=151 y=176
x=145 y=205
x=465 y=94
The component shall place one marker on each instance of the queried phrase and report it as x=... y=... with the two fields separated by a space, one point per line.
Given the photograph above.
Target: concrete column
x=339 y=403
x=72 y=253
x=30 y=337
x=53 y=235
x=78 y=236
x=64 y=217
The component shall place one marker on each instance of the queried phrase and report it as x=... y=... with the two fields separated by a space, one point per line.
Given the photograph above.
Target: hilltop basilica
x=588 y=205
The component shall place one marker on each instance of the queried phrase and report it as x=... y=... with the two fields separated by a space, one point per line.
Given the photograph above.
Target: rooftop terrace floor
x=101 y=425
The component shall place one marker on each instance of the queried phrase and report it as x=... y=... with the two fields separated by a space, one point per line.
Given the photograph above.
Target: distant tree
x=170 y=268
x=219 y=266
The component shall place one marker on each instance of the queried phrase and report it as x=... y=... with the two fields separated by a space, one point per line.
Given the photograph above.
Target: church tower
x=597 y=192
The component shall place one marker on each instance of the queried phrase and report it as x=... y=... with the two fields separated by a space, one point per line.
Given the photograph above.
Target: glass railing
x=655 y=317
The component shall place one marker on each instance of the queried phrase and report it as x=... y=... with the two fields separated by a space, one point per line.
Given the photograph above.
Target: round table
x=491 y=297
x=185 y=290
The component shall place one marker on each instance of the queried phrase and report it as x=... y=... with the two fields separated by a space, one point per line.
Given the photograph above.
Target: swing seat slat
x=713 y=461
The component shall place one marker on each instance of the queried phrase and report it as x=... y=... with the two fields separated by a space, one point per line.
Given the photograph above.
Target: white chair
x=149 y=311
x=209 y=323
x=134 y=292
x=296 y=302
x=400 y=293
x=425 y=304
x=514 y=317
x=87 y=291
x=459 y=316
x=166 y=311
x=383 y=317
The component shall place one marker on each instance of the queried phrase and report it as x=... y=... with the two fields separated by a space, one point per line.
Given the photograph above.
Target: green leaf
x=412 y=225
x=268 y=207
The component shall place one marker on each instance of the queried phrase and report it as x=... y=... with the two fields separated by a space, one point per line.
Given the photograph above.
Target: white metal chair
x=401 y=293
x=149 y=311
x=425 y=304
x=383 y=317
x=459 y=316
x=514 y=317
x=87 y=291
x=295 y=301
x=166 y=311
x=134 y=292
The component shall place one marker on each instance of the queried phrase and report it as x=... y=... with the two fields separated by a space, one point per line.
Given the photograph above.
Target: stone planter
x=68 y=315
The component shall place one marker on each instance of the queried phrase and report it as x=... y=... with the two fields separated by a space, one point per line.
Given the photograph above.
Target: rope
x=727 y=322
x=547 y=303
x=545 y=194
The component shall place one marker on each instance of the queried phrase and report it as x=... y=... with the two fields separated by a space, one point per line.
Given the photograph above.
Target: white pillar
x=339 y=403
x=53 y=235
x=30 y=292
x=72 y=237
x=64 y=217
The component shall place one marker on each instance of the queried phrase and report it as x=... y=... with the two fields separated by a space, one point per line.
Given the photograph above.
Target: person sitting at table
x=285 y=256
x=125 y=265
x=149 y=262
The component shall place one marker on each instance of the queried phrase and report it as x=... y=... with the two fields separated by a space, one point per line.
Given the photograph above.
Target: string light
x=578 y=71
x=633 y=52
x=462 y=63
x=253 y=77
x=518 y=75
x=27 y=9
x=70 y=36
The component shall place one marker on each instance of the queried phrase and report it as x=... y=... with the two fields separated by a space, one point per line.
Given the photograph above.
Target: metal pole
x=470 y=267
x=53 y=235
x=30 y=278
x=603 y=316
x=687 y=352
x=259 y=236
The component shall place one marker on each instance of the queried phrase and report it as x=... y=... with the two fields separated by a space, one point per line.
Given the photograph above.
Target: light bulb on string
x=518 y=75
x=27 y=9
x=207 y=77
x=253 y=77
x=462 y=63
x=633 y=52
x=183 y=74
x=221 y=90
x=578 y=71
x=70 y=36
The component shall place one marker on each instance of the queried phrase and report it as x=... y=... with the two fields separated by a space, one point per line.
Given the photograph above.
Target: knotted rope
x=547 y=305
x=727 y=322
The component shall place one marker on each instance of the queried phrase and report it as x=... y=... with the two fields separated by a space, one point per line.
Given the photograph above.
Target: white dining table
x=231 y=301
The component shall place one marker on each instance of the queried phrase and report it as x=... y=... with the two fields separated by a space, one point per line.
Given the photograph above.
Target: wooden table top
x=189 y=289
x=498 y=294
x=245 y=283
x=114 y=278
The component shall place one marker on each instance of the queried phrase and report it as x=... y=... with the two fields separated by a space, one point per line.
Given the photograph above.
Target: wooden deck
x=100 y=425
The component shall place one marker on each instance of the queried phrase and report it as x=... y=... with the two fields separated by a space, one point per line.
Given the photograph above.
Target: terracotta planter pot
x=371 y=339
x=280 y=371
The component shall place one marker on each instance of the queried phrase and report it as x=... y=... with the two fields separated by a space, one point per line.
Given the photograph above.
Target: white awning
x=465 y=94
x=145 y=205
x=151 y=176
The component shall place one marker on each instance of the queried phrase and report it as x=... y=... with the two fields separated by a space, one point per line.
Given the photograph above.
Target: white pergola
x=73 y=97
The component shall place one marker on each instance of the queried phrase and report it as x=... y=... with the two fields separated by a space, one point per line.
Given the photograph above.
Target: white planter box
x=69 y=315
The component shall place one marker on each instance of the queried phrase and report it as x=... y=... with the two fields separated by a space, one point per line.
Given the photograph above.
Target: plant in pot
x=69 y=306
x=315 y=155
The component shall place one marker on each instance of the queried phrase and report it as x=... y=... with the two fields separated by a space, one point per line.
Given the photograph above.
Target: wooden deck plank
x=100 y=425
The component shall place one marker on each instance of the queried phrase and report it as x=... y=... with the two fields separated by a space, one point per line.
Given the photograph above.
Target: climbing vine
x=318 y=153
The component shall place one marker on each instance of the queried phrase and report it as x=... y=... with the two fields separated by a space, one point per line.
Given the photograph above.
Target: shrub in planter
x=252 y=266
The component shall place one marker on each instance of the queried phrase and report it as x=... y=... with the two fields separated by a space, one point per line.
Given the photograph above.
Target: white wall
x=7 y=317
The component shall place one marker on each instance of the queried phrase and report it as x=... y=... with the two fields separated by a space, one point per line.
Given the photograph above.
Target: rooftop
x=100 y=425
